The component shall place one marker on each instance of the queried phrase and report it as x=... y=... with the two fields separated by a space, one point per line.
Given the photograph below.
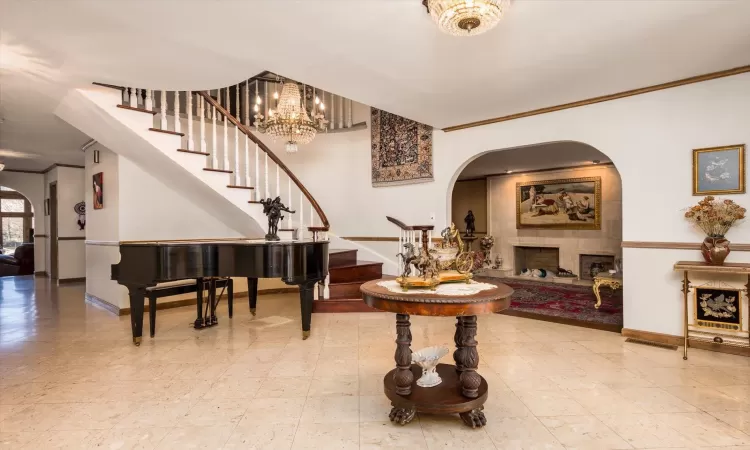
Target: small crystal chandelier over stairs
x=466 y=17
x=290 y=119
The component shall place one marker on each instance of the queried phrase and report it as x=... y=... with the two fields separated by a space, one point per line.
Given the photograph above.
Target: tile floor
x=70 y=378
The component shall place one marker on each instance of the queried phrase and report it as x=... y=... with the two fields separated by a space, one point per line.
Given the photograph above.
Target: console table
x=611 y=280
x=700 y=266
x=462 y=390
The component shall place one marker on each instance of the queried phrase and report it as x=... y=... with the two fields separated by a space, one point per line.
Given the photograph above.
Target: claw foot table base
x=445 y=398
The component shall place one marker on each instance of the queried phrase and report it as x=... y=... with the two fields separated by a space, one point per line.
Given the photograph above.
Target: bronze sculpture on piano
x=272 y=209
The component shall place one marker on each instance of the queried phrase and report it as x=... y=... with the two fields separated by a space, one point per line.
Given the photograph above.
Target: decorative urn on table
x=427 y=359
x=715 y=217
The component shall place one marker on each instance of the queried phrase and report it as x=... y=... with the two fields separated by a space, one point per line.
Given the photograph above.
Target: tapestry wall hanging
x=401 y=150
x=570 y=204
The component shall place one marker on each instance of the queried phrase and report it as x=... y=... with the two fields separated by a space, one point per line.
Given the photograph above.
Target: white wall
x=649 y=137
x=71 y=253
x=31 y=185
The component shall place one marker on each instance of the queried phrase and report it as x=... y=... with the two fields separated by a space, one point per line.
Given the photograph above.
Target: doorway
x=16 y=220
x=53 y=230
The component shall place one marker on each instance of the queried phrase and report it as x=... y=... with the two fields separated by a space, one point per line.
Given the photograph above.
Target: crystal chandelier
x=466 y=17
x=290 y=120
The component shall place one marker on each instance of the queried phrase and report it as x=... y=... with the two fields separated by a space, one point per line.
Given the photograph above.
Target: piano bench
x=178 y=287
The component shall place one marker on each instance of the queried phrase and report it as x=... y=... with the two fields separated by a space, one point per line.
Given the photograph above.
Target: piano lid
x=231 y=241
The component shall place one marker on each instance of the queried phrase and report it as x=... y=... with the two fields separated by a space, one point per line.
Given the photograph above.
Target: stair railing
x=207 y=127
x=409 y=234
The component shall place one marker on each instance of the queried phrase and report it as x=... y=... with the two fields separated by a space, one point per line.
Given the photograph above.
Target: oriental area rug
x=565 y=303
x=401 y=150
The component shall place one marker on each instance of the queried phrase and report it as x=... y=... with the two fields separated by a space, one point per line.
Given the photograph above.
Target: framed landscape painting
x=570 y=204
x=719 y=170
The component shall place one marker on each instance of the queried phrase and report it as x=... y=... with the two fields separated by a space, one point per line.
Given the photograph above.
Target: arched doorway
x=555 y=213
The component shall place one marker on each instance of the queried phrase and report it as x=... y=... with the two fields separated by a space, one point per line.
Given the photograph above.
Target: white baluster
x=349 y=114
x=226 y=133
x=257 y=173
x=163 y=110
x=326 y=290
x=341 y=112
x=189 y=109
x=133 y=98
x=278 y=185
x=312 y=216
x=177 y=111
x=237 y=170
x=265 y=176
x=316 y=291
x=265 y=94
x=247 y=103
x=301 y=211
x=333 y=112
x=202 y=114
x=247 y=162
x=149 y=105
x=215 y=148
x=289 y=189
x=125 y=96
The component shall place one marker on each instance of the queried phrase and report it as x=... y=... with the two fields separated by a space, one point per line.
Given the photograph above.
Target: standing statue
x=469 y=219
x=272 y=209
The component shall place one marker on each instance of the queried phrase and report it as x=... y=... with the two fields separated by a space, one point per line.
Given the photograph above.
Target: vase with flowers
x=715 y=217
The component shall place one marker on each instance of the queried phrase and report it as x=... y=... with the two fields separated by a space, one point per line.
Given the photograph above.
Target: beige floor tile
x=293 y=368
x=374 y=408
x=38 y=417
x=232 y=386
x=337 y=386
x=336 y=368
x=284 y=387
x=214 y=413
x=17 y=440
x=603 y=400
x=706 y=398
x=129 y=438
x=344 y=409
x=94 y=416
x=551 y=403
x=155 y=414
x=262 y=436
x=273 y=410
x=333 y=436
x=655 y=400
x=22 y=393
x=737 y=419
x=584 y=432
x=385 y=434
x=371 y=384
x=65 y=439
x=504 y=404
x=702 y=429
x=643 y=430
x=204 y=438
x=449 y=432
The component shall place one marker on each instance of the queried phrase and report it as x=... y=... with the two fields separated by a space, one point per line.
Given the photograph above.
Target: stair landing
x=347 y=274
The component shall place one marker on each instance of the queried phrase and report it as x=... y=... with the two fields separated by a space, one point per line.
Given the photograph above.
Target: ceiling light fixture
x=290 y=120
x=596 y=161
x=466 y=17
x=508 y=171
x=2 y=166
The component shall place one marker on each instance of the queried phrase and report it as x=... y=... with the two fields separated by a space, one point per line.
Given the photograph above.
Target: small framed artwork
x=719 y=170
x=717 y=307
x=98 y=190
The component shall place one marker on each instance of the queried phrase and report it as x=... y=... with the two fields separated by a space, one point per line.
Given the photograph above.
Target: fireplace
x=547 y=258
x=590 y=264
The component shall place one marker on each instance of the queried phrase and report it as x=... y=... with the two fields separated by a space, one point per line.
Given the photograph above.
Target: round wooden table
x=462 y=390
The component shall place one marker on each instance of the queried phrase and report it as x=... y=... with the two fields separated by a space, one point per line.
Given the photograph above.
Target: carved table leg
x=597 y=286
x=403 y=376
x=474 y=418
x=457 y=339
x=467 y=357
x=402 y=415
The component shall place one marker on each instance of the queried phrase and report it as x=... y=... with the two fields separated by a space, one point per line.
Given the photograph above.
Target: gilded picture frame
x=565 y=204
x=719 y=170
x=732 y=297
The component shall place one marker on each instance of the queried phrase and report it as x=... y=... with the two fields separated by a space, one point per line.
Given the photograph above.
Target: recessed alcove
x=528 y=257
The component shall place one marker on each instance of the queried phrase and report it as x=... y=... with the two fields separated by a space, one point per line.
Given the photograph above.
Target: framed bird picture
x=719 y=170
x=718 y=307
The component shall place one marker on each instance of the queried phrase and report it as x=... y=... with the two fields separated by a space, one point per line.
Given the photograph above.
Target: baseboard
x=71 y=280
x=179 y=303
x=41 y=273
x=680 y=341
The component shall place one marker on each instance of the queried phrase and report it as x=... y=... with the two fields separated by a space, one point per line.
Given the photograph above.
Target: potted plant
x=715 y=217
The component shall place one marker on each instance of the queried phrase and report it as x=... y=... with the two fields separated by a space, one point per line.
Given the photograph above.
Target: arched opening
x=554 y=211
x=16 y=233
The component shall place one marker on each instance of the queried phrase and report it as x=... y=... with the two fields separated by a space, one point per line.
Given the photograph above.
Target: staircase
x=202 y=143
x=346 y=274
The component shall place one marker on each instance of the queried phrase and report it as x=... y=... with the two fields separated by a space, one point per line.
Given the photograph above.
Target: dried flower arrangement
x=715 y=216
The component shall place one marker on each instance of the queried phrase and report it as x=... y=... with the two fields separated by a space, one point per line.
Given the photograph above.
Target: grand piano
x=144 y=264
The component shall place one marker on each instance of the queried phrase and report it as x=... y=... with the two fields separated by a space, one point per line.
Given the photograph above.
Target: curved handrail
x=406 y=227
x=274 y=158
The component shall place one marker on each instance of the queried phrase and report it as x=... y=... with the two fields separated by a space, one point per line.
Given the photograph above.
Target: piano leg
x=230 y=296
x=252 y=293
x=137 y=300
x=306 y=304
x=212 y=320
x=198 y=324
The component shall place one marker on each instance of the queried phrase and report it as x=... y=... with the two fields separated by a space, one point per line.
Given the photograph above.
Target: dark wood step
x=345 y=290
x=111 y=86
x=360 y=271
x=184 y=150
x=239 y=187
x=132 y=108
x=218 y=170
x=254 y=201
x=167 y=132
x=341 y=257
x=341 y=305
